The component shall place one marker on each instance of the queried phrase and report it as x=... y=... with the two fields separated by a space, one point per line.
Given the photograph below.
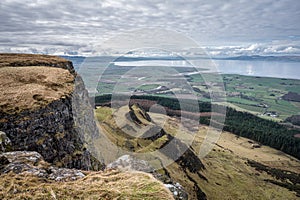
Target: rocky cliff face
x=51 y=112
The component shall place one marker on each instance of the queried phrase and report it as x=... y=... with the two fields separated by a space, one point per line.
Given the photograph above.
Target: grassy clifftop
x=28 y=88
x=33 y=81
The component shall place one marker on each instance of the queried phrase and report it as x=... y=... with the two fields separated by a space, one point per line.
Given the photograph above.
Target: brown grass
x=96 y=185
x=242 y=147
x=28 y=82
x=32 y=87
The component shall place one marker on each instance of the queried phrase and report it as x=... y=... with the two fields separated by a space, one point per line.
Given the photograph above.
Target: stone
x=129 y=162
x=177 y=191
x=5 y=143
x=64 y=174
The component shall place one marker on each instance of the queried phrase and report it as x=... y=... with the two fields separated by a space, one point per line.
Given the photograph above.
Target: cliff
x=44 y=107
x=46 y=128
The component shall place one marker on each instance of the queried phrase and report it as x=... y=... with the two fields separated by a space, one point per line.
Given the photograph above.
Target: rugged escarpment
x=44 y=107
x=133 y=129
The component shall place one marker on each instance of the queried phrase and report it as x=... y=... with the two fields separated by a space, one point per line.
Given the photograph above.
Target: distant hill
x=263 y=58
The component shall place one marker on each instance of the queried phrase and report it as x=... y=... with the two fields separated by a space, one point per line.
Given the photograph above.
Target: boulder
x=5 y=143
x=129 y=163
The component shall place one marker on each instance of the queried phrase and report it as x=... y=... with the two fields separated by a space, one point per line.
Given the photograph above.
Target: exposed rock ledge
x=30 y=162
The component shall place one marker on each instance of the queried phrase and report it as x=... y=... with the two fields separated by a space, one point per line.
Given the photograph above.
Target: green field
x=257 y=94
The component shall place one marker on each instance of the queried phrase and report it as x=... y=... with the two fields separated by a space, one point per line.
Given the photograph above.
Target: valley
x=264 y=96
x=227 y=172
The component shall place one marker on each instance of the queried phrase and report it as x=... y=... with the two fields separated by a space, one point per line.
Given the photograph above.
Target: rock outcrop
x=130 y=163
x=30 y=162
x=44 y=107
x=46 y=128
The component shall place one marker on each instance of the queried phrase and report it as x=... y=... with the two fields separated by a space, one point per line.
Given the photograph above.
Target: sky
x=222 y=28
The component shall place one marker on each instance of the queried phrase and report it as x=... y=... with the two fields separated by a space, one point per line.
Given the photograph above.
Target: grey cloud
x=88 y=23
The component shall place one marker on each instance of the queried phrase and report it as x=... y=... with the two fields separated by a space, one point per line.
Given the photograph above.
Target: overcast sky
x=229 y=27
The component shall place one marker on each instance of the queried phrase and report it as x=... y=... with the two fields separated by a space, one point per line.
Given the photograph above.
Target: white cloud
x=265 y=49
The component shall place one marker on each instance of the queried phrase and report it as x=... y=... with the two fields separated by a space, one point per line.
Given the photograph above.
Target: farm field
x=258 y=95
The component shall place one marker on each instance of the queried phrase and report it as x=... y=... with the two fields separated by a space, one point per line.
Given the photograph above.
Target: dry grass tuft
x=96 y=185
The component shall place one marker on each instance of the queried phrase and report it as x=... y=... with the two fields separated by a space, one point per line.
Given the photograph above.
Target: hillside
x=152 y=142
x=232 y=170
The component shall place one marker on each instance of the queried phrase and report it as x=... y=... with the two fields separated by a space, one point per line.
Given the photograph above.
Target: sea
x=262 y=68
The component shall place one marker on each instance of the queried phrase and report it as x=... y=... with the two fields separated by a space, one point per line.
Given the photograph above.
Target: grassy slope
x=229 y=177
x=112 y=130
x=96 y=185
